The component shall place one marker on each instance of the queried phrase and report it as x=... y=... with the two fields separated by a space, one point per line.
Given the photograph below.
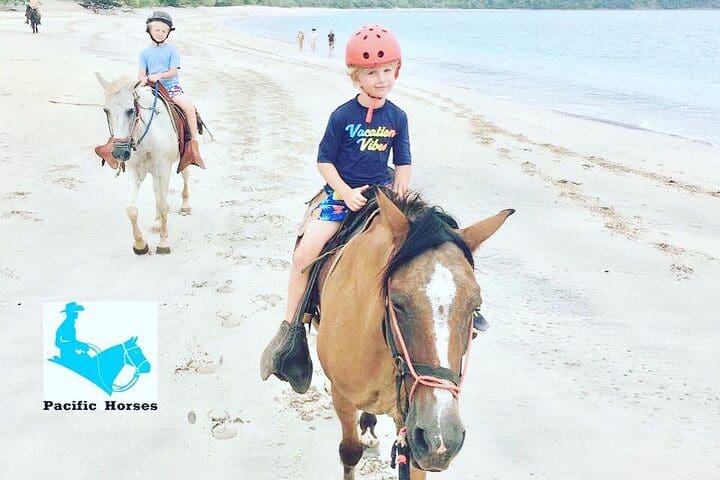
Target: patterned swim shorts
x=332 y=208
x=176 y=90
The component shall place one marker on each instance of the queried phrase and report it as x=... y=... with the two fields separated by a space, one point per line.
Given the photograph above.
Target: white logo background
x=102 y=324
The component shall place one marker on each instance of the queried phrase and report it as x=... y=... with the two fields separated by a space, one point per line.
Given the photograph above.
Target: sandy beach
x=601 y=291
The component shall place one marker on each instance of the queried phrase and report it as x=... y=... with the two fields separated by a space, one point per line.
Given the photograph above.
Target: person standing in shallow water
x=331 y=43
x=313 y=40
x=300 y=39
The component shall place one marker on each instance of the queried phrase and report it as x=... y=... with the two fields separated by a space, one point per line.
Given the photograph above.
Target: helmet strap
x=373 y=104
x=155 y=41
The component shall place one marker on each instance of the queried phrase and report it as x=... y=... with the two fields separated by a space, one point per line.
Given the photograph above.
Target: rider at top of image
x=65 y=336
x=160 y=61
x=31 y=5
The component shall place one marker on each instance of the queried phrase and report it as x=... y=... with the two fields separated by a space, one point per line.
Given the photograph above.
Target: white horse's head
x=119 y=104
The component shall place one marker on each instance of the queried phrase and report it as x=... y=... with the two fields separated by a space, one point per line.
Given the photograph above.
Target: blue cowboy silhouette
x=104 y=365
x=65 y=338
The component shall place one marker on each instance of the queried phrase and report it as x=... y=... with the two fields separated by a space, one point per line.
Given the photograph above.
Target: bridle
x=423 y=374
x=122 y=148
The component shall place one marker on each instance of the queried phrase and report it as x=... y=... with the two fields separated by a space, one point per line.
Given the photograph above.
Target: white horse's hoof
x=162 y=250
x=141 y=251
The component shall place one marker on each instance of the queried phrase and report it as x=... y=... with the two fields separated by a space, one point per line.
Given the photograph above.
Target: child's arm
x=352 y=197
x=402 y=179
x=402 y=159
x=157 y=76
x=142 y=74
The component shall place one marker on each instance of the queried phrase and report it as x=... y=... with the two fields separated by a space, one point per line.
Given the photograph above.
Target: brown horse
x=412 y=267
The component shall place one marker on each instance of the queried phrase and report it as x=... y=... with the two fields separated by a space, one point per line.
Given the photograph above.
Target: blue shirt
x=160 y=59
x=360 y=151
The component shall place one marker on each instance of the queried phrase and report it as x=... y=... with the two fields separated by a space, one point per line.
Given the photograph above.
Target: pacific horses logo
x=100 y=366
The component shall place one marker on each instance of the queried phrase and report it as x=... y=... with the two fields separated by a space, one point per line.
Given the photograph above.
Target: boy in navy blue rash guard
x=354 y=152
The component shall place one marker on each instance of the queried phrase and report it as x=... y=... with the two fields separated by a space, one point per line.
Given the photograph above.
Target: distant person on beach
x=32 y=5
x=160 y=62
x=313 y=40
x=352 y=157
x=300 y=39
x=331 y=42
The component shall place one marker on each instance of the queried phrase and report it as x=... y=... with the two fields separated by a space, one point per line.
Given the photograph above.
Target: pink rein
x=429 y=380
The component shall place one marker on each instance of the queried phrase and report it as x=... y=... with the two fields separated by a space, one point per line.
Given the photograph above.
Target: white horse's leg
x=135 y=179
x=185 y=192
x=160 y=186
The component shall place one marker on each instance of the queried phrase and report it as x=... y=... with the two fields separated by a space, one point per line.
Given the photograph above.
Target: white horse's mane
x=118 y=85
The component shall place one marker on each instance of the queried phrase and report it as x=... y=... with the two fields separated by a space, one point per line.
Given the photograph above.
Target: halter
x=423 y=374
x=129 y=143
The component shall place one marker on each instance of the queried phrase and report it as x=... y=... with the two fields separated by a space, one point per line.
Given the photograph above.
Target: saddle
x=287 y=356
x=182 y=129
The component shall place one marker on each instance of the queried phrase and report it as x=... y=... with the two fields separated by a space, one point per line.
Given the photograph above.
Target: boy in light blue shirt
x=160 y=62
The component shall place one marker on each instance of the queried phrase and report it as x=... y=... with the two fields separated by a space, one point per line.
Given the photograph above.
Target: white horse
x=146 y=143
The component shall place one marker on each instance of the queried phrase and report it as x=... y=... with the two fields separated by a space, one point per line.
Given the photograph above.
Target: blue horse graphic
x=103 y=366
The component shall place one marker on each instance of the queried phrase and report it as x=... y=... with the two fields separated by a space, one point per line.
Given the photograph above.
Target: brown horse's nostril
x=421 y=444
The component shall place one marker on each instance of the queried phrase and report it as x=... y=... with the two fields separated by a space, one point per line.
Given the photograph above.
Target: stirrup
x=287 y=356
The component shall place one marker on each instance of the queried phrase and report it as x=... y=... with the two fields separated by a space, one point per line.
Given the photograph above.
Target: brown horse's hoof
x=141 y=251
x=162 y=250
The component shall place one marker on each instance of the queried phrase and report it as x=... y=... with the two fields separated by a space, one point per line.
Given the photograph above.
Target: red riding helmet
x=371 y=46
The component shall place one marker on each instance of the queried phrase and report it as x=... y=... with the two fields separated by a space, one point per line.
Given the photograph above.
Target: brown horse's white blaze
x=440 y=313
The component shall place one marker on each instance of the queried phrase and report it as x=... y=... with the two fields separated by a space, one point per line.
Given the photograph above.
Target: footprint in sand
x=310 y=405
x=12 y=195
x=206 y=365
x=378 y=468
x=267 y=300
x=10 y=274
x=224 y=427
x=26 y=214
x=227 y=288
x=228 y=319
x=68 y=182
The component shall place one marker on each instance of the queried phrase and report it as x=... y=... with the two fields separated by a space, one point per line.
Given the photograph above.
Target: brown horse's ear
x=476 y=234
x=102 y=81
x=393 y=218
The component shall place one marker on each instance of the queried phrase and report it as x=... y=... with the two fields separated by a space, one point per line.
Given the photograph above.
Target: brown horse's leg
x=367 y=430
x=351 y=449
x=416 y=473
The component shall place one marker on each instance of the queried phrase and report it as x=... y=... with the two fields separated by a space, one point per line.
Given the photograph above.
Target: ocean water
x=651 y=69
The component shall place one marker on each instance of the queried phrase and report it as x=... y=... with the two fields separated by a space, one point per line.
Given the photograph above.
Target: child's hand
x=400 y=187
x=143 y=81
x=154 y=77
x=354 y=198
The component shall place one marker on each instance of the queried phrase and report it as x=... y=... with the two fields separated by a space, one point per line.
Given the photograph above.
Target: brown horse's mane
x=430 y=227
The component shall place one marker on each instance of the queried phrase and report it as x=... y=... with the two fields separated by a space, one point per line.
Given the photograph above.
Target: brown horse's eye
x=400 y=311
x=129 y=112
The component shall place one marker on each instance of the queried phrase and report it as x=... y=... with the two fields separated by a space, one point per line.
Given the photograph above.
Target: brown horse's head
x=432 y=288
